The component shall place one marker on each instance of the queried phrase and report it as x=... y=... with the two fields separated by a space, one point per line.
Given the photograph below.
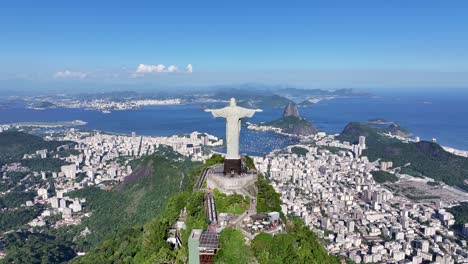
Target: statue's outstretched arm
x=217 y=112
x=249 y=112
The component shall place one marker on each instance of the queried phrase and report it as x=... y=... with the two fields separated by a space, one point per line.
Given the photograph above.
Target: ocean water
x=442 y=117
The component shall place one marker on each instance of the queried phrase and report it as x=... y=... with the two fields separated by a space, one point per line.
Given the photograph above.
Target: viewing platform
x=243 y=183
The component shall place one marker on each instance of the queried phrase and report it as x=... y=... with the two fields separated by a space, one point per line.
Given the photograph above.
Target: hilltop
x=292 y=123
x=14 y=144
x=418 y=158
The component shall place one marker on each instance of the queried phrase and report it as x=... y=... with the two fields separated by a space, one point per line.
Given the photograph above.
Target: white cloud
x=172 y=68
x=70 y=75
x=189 y=68
x=143 y=69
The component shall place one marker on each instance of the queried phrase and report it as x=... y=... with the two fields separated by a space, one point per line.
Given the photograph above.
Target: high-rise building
x=69 y=171
x=350 y=225
x=362 y=142
x=54 y=202
x=465 y=230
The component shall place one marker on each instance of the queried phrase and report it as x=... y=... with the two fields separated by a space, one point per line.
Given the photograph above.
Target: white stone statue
x=233 y=115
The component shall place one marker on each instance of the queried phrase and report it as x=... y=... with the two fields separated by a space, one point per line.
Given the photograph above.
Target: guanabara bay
x=233 y=132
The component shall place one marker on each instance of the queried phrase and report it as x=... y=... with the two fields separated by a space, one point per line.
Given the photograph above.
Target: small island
x=291 y=123
x=42 y=105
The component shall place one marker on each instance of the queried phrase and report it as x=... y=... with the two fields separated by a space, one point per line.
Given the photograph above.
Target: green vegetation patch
x=27 y=247
x=268 y=200
x=460 y=213
x=233 y=248
x=383 y=176
x=215 y=159
x=231 y=204
x=299 y=151
x=15 y=218
x=47 y=164
x=16 y=199
x=298 y=245
x=250 y=163
x=12 y=179
x=410 y=171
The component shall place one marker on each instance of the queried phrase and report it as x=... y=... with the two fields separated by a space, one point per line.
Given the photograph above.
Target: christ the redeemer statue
x=233 y=115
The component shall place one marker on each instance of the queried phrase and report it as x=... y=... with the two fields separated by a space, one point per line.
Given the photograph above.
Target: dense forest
x=27 y=247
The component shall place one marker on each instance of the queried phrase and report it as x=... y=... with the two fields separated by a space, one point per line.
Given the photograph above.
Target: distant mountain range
x=297 y=92
x=248 y=95
x=279 y=97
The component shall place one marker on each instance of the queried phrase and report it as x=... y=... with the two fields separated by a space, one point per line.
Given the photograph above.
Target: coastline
x=48 y=124
x=458 y=152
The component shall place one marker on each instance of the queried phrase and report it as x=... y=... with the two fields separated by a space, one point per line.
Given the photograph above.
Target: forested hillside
x=141 y=197
x=422 y=158
x=14 y=144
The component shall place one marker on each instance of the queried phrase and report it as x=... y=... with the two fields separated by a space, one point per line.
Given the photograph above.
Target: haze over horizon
x=54 y=45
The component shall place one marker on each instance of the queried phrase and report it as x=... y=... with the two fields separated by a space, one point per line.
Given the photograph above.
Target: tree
x=268 y=200
x=215 y=159
x=233 y=248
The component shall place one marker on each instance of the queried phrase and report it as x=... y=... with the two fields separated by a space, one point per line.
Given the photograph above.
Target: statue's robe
x=233 y=116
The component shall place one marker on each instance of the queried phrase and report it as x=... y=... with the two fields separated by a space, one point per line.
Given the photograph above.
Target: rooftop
x=209 y=240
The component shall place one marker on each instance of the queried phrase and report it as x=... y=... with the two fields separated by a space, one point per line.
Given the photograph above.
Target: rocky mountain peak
x=291 y=110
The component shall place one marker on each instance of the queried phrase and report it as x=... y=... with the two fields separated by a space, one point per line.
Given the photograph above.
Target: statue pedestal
x=232 y=167
x=244 y=185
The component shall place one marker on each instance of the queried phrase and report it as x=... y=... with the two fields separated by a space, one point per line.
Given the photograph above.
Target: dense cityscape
x=336 y=195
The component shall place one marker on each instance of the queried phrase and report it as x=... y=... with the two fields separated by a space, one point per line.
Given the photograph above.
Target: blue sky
x=329 y=44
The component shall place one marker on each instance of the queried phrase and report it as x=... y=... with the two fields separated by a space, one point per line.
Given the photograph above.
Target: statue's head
x=232 y=102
